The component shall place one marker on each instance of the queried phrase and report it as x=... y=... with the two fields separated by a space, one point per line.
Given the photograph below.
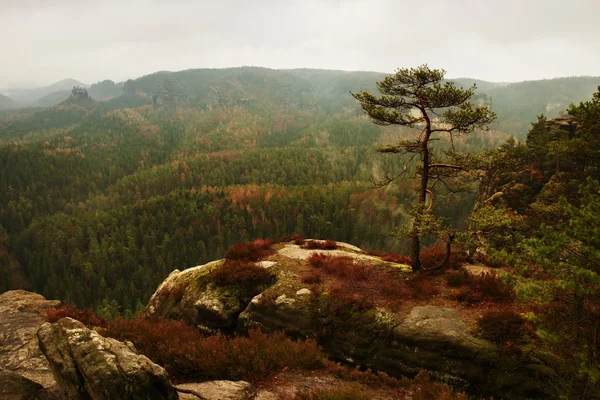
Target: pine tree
x=418 y=98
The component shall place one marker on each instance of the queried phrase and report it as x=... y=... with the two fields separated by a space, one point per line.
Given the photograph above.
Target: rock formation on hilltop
x=400 y=341
x=79 y=93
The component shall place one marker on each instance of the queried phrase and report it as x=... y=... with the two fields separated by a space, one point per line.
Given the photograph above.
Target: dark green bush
x=501 y=327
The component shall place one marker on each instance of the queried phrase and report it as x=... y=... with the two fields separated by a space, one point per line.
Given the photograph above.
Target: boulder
x=16 y=387
x=21 y=315
x=216 y=390
x=88 y=366
x=191 y=296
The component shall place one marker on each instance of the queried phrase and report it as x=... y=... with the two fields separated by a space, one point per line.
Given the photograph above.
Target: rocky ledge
x=400 y=343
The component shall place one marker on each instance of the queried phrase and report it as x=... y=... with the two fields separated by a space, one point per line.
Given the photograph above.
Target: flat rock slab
x=296 y=252
x=216 y=390
x=443 y=327
x=21 y=315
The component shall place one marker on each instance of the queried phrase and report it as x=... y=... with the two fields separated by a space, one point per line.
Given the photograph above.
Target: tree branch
x=447 y=166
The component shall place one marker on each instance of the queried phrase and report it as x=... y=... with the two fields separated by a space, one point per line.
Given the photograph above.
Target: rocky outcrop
x=397 y=342
x=190 y=295
x=79 y=93
x=21 y=315
x=88 y=366
x=566 y=123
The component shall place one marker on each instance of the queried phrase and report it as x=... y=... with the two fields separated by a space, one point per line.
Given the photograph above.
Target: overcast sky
x=42 y=41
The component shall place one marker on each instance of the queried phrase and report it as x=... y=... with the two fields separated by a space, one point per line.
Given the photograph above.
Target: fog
x=43 y=41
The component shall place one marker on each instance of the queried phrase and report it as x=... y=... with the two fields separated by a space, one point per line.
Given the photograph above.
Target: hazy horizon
x=511 y=41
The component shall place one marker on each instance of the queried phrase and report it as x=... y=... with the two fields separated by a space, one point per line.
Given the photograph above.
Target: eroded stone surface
x=89 y=366
x=442 y=326
x=190 y=295
x=21 y=315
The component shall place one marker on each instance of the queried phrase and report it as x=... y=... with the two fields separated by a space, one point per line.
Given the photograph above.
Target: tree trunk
x=415 y=247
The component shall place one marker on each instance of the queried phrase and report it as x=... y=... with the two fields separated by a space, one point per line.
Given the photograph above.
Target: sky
x=43 y=41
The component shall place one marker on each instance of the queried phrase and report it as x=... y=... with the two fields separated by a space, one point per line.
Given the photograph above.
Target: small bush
x=468 y=295
x=459 y=278
x=250 y=251
x=341 y=266
x=365 y=377
x=86 y=316
x=477 y=289
x=344 y=391
x=423 y=288
x=189 y=356
x=297 y=238
x=433 y=256
x=318 y=260
x=240 y=273
x=396 y=258
x=492 y=287
x=345 y=299
x=311 y=277
x=423 y=388
x=502 y=327
x=319 y=245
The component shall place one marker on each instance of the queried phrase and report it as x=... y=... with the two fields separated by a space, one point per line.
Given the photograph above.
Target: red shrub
x=250 y=251
x=240 y=273
x=342 y=391
x=492 y=287
x=318 y=259
x=311 y=277
x=423 y=388
x=459 y=278
x=433 y=256
x=320 y=245
x=189 y=356
x=396 y=258
x=479 y=288
x=423 y=288
x=468 y=295
x=341 y=266
x=345 y=299
x=297 y=238
x=87 y=316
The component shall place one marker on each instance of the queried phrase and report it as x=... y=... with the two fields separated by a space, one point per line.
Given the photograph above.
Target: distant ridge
x=31 y=96
x=6 y=102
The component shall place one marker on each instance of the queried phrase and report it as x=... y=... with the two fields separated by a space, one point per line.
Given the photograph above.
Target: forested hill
x=100 y=200
x=517 y=104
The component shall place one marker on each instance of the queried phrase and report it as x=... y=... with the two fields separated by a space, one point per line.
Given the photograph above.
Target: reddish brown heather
x=250 y=251
x=240 y=273
x=188 y=355
x=341 y=266
x=86 y=316
x=319 y=245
